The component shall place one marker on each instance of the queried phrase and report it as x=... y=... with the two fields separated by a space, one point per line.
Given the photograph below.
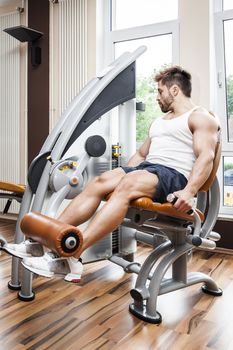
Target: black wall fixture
x=32 y=36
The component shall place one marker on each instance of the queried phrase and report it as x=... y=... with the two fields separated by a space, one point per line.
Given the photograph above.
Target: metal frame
x=171 y=239
x=172 y=242
x=113 y=85
x=10 y=197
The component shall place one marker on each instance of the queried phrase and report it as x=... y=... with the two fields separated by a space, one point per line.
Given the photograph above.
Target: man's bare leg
x=85 y=204
x=79 y=210
x=133 y=185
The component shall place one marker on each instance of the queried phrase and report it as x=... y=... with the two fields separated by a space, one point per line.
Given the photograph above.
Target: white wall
x=194 y=46
x=91 y=39
x=9 y=6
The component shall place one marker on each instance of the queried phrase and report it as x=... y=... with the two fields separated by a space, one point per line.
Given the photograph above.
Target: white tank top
x=172 y=143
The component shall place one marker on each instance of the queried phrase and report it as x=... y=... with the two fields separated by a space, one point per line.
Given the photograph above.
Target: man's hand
x=185 y=200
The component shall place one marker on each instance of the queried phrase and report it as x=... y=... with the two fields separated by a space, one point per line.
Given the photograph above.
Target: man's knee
x=135 y=184
x=107 y=181
x=127 y=185
x=103 y=178
x=99 y=180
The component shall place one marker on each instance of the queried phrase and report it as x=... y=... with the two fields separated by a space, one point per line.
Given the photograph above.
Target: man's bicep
x=204 y=139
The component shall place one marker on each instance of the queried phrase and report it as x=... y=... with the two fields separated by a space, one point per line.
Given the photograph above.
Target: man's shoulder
x=157 y=119
x=200 y=111
x=201 y=116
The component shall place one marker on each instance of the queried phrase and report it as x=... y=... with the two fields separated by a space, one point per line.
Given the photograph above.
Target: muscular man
x=177 y=157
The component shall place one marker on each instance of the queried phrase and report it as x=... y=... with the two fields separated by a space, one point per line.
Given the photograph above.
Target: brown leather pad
x=166 y=209
x=11 y=187
x=52 y=233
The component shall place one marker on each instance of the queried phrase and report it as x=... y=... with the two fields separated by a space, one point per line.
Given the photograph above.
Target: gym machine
x=78 y=149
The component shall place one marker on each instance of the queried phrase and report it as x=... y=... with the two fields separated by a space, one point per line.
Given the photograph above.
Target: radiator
x=73 y=48
x=68 y=53
x=9 y=105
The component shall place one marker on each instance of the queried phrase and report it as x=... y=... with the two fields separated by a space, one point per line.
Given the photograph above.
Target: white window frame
x=227 y=147
x=151 y=30
x=110 y=37
x=106 y=39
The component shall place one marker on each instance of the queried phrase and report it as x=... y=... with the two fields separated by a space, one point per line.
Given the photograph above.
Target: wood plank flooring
x=94 y=314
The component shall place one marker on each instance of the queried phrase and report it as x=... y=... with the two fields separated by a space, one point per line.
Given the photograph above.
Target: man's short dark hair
x=176 y=75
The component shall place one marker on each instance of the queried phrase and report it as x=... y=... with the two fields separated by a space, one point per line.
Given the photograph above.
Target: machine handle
x=194 y=238
x=171 y=198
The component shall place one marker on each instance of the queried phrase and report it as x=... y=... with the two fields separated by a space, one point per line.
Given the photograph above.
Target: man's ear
x=174 y=90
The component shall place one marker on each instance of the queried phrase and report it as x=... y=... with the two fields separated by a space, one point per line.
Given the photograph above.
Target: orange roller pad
x=63 y=239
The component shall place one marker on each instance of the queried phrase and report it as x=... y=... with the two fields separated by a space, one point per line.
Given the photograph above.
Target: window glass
x=228 y=30
x=227 y=5
x=133 y=13
x=228 y=181
x=157 y=56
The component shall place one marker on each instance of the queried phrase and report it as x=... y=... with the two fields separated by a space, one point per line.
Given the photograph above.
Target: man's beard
x=165 y=106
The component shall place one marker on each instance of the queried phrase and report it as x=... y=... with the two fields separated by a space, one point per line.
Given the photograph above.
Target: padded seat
x=167 y=209
x=146 y=203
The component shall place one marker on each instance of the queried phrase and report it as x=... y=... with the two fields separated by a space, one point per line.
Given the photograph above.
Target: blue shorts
x=170 y=180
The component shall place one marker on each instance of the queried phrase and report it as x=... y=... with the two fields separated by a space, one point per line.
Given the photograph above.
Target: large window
x=228 y=181
x=227 y=5
x=147 y=65
x=134 y=13
x=151 y=23
x=228 y=46
x=224 y=64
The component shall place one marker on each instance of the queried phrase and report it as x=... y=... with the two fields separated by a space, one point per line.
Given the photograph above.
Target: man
x=177 y=157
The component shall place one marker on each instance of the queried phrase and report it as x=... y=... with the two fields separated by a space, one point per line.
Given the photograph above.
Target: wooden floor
x=94 y=314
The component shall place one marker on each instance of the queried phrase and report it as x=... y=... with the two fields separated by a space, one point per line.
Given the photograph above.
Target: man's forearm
x=199 y=175
x=140 y=154
x=136 y=159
